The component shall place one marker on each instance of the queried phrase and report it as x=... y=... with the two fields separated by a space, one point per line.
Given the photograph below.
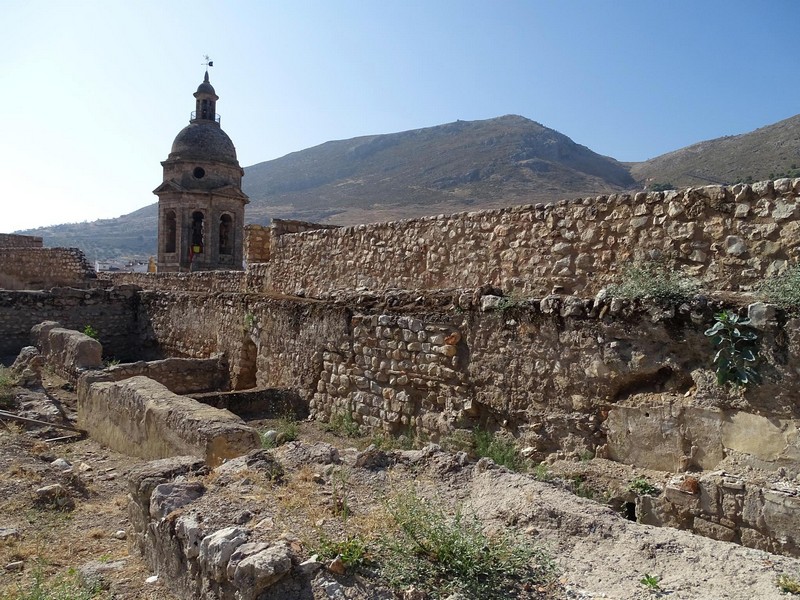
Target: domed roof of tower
x=202 y=141
x=206 y=87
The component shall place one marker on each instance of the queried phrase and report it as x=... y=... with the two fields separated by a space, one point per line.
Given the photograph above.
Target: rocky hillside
x=767 y=153
x=458 y=166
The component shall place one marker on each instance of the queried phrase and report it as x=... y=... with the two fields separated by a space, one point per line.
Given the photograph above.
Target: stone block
x=141 y=417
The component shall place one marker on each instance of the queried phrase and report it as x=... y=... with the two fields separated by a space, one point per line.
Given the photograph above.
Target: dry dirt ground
x=45 y=549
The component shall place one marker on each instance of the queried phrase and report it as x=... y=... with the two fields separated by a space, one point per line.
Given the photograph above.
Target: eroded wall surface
x=564 y=373
x=10 y=240
x=729 y=237
x=35 y=268
x=111 y=312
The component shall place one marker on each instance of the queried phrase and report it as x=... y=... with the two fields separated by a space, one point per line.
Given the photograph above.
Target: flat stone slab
x=141 y=417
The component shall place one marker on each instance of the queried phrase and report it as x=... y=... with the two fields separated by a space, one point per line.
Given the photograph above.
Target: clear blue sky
x=93 y=92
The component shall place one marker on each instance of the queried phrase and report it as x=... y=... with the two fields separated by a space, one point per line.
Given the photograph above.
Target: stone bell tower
x=200 y=202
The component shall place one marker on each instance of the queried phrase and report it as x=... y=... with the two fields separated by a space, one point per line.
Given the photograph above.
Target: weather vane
x=209 y=62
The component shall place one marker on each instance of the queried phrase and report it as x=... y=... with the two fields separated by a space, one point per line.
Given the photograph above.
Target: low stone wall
x=730 y=238
x=258 y=239
x=141 y=417
x=68 y=352
x=178 y=375
x=203 y=282
x=258 y=403
x=727 y=507
x=35 y=268
x=111 y=312
x=10 y=240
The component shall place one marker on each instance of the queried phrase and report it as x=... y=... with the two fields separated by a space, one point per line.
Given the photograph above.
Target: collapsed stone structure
x=436 y=324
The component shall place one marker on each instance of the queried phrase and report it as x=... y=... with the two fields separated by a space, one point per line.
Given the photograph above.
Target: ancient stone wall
x=141 y=417
x=10 y=240
x=178 y=375
x=258 y=240
x=36 y=268
x=267 y=342
x=564 y=374
x=205 y=281
x=730 y=508
x=111 y=312
x=68 y=352
x=727 y=237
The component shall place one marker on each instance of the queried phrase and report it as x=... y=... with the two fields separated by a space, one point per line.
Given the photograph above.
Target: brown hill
x=447 y=168
x=767 y=153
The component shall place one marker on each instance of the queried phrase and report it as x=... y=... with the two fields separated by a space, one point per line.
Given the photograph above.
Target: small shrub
x=66 y=586
x=500 y=449
x=651 y=582
x=91 y=332
x=783 y=289
x=652 y=279
x=445 y=555
x=339 y=482
x=541 y=472
x=789 y=584
x=6 y=390
x=661 y=187
x=734 y=361
x=352 y=550
x=642 y=487
x=342 y=424
x=580 y=488
x=388 y=442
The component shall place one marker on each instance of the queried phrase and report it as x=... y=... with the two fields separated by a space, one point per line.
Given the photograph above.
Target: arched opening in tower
x=226 y=234
x=171 y=231
x=197 y=232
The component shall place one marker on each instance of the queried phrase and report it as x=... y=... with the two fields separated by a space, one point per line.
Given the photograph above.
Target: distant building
x=200 y=202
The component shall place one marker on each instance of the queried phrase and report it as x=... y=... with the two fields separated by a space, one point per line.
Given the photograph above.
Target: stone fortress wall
x=729 y=238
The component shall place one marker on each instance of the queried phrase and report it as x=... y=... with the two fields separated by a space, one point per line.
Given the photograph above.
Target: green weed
x=737 y=352
x=642 y=487
x=66 y=586
x=91 y=332
x=789 y=584
x=352 y=550
x=783 y=289
x=343 y=425
x=652 y=279
x=651 y=582
x=447 y=554
x=500 y=449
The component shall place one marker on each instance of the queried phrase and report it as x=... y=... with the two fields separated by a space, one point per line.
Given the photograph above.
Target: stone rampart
x=110 y=312
x=10 y=240
x=35 y=268
x=730 y=238
x=141 y=417
x=68 y=352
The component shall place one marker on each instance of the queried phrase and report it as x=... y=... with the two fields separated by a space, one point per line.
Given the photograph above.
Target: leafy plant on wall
x=737 y=349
